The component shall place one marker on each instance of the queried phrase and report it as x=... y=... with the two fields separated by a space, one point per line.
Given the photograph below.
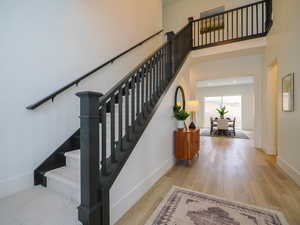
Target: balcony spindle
x=232 y=25
x=257 y=24
x=263 y=17
x=206 y=32
x=252 y=20
x=247 y=21
x=210 y=31
x=227 y=27
x=237 y=23
x=242 y=22
x=214 y=29
x=219 y=28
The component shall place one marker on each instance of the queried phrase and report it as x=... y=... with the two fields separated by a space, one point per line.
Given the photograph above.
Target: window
x=233 y=105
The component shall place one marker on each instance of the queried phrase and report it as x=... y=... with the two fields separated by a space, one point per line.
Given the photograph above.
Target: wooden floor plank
x=228 y=168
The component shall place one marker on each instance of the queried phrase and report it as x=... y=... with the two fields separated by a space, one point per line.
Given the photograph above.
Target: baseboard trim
x=124 y=204
x=289 y=170
x=13 y=185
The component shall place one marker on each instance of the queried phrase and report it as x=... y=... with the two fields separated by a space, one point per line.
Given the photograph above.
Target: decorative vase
x=180 y=124
x=192 y=126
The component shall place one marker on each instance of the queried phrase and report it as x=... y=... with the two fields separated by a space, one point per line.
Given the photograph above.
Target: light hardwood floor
x=229 y=168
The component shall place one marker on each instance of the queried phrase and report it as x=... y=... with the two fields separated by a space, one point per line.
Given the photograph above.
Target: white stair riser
x=72 y=162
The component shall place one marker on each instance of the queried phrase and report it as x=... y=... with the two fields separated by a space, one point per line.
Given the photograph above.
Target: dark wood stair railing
x=136 y=98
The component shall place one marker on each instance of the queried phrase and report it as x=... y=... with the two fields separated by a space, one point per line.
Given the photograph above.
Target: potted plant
x=180 y=116
x=222 y=111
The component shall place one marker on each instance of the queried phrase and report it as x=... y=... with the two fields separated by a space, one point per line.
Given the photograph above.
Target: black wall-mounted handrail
x=76 y=82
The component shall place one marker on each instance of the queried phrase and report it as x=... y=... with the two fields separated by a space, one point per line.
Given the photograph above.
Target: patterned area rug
x=185 y=207
x=238 y=134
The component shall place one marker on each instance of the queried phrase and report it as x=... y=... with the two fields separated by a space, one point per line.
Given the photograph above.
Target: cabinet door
x=181 y=145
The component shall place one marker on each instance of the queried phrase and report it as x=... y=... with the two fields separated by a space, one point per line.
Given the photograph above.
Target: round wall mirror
x=179 y=98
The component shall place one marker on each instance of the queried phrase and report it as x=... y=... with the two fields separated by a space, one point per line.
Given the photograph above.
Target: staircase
x=86 y=165
x=78 y=169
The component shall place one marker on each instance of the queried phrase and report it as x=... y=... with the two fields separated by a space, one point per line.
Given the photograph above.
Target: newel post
x=171 y=54
x=89 y=209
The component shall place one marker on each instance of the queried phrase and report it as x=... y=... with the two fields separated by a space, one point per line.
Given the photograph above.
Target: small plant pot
x=180 y=124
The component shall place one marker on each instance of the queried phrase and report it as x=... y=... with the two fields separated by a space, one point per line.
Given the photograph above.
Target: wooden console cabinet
x=187 y=145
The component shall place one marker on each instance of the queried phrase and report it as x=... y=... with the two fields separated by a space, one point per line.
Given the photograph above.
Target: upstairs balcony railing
x=243 y=23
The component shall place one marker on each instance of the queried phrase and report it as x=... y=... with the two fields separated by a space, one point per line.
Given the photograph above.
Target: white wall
x=176 y=12
x=270 y=108
x=46 y=44
x=248 y=62
x=283 y=47
x=152 y=157
x=246 y=91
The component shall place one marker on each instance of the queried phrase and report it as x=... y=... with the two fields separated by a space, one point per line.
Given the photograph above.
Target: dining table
x=222 y=125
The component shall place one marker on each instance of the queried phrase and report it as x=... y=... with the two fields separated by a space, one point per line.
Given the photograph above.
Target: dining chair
x=232 y=126
x=213 y=124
